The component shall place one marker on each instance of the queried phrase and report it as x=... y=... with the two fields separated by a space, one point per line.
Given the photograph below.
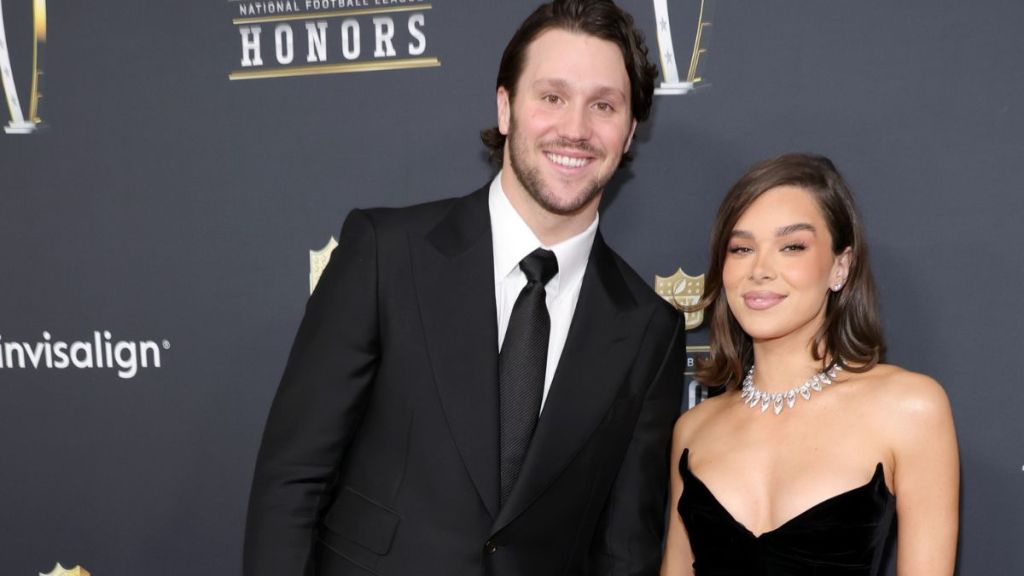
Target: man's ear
x=504 y=110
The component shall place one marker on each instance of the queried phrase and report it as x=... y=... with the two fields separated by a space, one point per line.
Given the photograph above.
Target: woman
x=801 y=464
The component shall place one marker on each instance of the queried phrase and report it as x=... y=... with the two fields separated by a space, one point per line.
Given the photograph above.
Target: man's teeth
x=567 y=161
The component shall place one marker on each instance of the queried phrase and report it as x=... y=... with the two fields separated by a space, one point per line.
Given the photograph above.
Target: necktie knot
x=540 y=266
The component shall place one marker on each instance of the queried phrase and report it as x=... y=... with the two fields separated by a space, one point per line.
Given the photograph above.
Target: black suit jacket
x=380 y=454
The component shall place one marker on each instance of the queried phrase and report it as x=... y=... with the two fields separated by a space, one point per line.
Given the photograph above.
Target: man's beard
x=532 y=180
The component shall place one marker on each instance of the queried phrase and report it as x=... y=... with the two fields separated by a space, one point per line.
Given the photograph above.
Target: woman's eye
x=739 y=250
x=795 y=247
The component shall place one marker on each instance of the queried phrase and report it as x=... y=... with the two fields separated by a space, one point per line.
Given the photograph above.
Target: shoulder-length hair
x=851 y=335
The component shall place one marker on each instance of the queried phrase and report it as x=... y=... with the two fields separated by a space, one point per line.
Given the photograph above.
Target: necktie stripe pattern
x=521 y=366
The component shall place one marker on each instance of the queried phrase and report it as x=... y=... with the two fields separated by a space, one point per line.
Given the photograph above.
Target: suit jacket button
x=490 y=547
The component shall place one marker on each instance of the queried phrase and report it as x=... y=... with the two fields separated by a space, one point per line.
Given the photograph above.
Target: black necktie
x=521 y=365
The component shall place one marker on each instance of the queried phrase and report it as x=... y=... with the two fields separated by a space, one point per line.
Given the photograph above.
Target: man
x=480 y=385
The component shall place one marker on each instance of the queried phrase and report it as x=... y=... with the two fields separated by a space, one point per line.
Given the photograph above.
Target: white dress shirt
x=512 y=240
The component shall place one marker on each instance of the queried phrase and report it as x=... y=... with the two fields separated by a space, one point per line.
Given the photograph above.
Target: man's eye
x=552 y=99
x=604 y=107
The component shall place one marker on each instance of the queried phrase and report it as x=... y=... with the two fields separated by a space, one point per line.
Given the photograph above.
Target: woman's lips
x=762 y=300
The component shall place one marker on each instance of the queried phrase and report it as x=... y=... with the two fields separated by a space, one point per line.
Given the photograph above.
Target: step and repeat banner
x=172 y=175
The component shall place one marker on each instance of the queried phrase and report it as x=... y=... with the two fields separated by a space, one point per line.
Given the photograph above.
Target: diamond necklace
x=778 y=400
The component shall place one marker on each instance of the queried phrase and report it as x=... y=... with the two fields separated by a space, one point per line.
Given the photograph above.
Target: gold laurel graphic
x=691 y=75
x=39 y=9
x=39 y=30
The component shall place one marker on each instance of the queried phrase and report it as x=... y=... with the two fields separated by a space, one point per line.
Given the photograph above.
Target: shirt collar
x=513 y=240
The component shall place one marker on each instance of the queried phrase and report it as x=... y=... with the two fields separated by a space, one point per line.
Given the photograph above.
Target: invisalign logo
x=126 y=356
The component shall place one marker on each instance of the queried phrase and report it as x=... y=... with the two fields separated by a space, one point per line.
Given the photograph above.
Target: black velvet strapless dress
x=842 y=536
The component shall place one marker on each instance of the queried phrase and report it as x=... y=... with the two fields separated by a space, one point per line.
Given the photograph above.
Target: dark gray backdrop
x=165 y=202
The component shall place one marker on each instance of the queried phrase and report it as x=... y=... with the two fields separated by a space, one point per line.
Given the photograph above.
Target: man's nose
x=575 y=123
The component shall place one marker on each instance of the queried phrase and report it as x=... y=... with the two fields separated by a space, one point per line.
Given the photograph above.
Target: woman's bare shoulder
x=690 y=422
x=907 y=401
x=906 y=390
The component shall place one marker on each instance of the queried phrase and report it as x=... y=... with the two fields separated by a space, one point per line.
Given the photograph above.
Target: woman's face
x=779 y=266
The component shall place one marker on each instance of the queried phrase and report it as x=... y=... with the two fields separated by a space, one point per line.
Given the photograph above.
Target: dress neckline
x=872 y=484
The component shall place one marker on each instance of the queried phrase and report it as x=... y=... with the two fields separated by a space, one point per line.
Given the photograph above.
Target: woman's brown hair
x=851 y=335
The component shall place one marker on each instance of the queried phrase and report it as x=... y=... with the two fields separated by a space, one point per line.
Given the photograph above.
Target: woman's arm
x=926 y=477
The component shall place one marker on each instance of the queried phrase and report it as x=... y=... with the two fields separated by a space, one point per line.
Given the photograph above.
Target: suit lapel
x=603 y=336
x=454 y=276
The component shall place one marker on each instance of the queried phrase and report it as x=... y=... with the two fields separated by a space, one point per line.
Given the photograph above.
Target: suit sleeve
x=629 y=539
x=317 y=408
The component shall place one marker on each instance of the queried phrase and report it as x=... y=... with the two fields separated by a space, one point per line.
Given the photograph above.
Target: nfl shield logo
x=681 y=290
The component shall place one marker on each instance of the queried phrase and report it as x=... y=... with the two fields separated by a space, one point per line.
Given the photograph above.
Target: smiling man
x=568 y=126
x=481 y=385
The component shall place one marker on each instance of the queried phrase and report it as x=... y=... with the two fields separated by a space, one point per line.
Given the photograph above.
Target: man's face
x=570 y=122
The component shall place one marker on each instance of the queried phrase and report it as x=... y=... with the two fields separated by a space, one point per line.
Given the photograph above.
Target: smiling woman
x=809 y=481
x=802 y=213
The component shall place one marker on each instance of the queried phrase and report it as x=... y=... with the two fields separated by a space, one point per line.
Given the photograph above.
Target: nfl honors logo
x=288 y=38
